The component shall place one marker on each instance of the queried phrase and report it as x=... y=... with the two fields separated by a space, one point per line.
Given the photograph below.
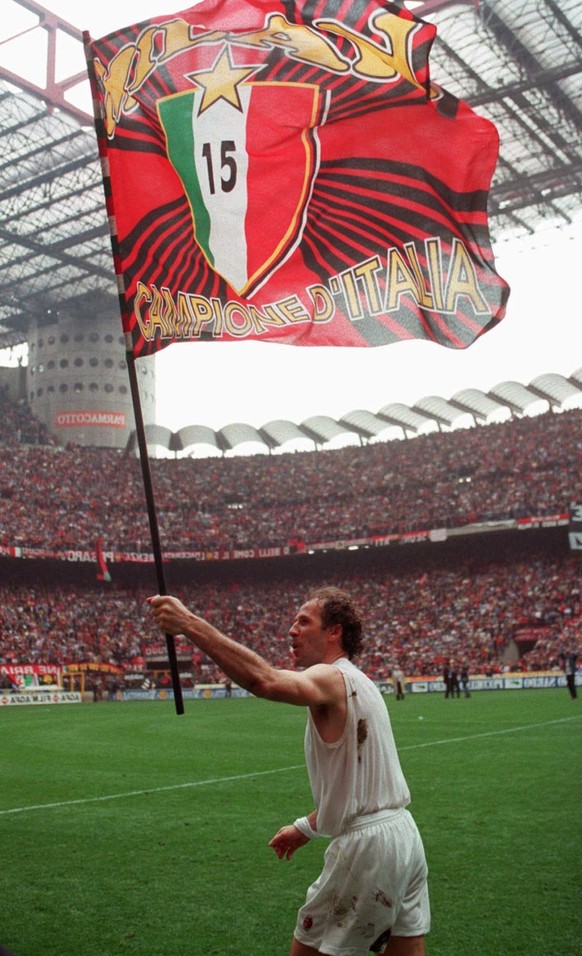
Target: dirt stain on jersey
x=362 y=731
x=381 y=897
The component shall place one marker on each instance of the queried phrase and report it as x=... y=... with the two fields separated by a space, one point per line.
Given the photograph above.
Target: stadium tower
x=59 y=294
x=77 y=381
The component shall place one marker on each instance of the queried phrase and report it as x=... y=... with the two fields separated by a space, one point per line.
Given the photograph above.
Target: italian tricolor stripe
x=247 y=173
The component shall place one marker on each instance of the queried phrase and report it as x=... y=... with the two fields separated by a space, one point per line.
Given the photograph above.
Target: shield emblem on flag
x=247 y=167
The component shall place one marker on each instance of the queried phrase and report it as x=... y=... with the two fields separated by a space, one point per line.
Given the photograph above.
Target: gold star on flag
x=220 y=83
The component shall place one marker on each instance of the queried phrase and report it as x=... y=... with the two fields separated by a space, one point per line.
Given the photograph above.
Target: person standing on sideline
x=398 y=683
x=372 y=894
x=465 y=679
x=568 y=660
x=448 y=680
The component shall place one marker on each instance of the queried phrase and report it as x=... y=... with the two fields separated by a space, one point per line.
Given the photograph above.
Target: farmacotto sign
x=90 y=419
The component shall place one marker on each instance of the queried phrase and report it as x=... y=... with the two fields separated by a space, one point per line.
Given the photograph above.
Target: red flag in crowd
x=288 y=172
x=102 y=569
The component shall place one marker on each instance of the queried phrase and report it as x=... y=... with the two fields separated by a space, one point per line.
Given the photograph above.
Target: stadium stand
x=421 y=612
x=474 y=602
x=523 y=468
x=417 y=617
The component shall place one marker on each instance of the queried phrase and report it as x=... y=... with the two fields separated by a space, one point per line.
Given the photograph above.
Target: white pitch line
x=262 y=773
x=490 y=733
x=142 y=793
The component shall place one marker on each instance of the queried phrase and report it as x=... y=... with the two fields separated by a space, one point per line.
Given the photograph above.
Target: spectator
x=568 y=660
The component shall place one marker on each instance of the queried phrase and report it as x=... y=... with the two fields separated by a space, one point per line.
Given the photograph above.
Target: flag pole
x=152 y=514
x=133 y=382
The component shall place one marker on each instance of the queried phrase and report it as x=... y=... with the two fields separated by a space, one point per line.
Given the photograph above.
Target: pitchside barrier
x=414 y=685
x=20 y=698
x=502 y=682
x=199 y=692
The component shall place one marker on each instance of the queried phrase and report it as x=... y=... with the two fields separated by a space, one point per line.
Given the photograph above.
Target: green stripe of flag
x=175 y=114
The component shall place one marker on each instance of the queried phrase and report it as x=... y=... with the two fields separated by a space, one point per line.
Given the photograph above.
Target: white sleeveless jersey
x=360 y=773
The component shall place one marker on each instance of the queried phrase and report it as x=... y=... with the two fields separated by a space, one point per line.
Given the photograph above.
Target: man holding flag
x=289 y=172
x=372 y=893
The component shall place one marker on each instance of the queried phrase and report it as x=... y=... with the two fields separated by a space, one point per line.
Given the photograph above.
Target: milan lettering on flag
x=289 y=172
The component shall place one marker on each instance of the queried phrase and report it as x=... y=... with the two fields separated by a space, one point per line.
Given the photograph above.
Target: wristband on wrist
x=304 y=827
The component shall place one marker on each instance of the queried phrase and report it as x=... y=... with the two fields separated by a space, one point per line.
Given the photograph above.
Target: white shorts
x=374 y=880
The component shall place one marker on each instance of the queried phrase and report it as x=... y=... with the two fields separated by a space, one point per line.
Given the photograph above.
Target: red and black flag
x=289 y=172
x=102 y=569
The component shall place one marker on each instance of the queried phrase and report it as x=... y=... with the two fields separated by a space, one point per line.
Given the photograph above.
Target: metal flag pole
x=133 y=382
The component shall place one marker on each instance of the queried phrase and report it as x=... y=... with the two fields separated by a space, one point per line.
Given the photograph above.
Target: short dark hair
x=337 y=607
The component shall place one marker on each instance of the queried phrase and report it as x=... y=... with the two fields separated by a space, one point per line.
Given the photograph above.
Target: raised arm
x=320 y=686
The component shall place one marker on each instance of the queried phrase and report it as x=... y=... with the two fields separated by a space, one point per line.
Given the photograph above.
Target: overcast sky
x=215 y=384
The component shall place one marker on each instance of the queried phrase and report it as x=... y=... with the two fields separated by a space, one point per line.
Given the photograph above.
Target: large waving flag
x=289 y=172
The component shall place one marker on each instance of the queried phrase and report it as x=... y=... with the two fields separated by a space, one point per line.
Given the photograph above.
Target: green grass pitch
x=126 y=829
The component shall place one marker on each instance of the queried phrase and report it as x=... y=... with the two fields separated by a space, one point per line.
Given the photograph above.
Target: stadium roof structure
x=549 y=392
x=516 y=62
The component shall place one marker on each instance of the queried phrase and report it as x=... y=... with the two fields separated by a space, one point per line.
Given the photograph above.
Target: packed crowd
x=60 y=498
x=64 y=498
x=417 y=619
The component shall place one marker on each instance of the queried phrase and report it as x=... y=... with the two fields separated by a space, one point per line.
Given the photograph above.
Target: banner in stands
x=575 y=528
x=93 y=667
x=23 y=676
x=433 y=535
